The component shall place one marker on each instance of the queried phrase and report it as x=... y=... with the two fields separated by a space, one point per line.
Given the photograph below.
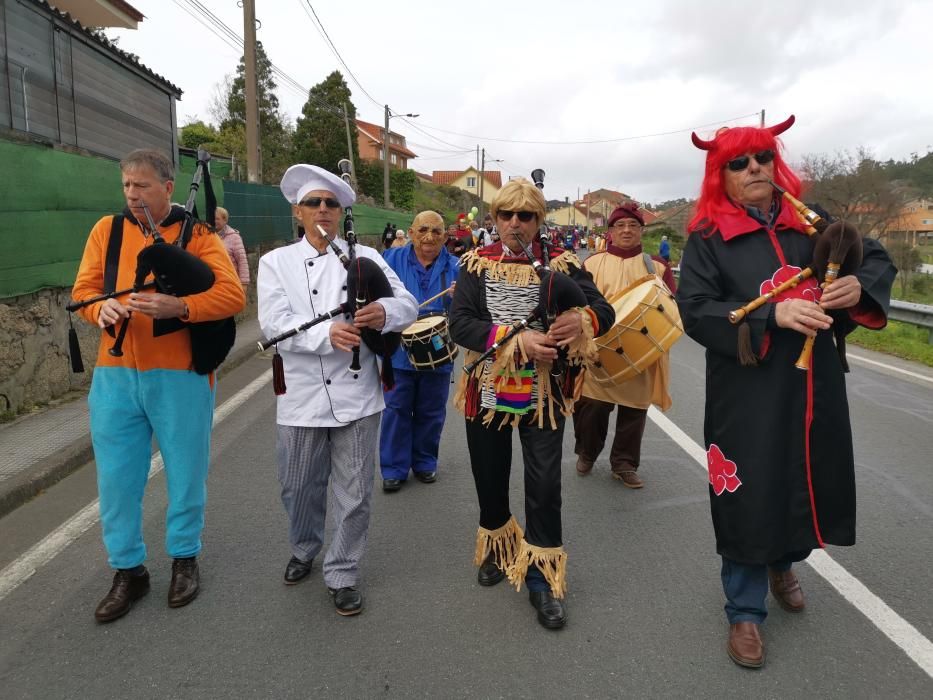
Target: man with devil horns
x=779 y=443
x=623 y=263
x=151 y=385
x=328 y=417
x=514 y=388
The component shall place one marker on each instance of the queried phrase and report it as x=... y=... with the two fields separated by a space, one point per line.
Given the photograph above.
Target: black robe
x=779 y=443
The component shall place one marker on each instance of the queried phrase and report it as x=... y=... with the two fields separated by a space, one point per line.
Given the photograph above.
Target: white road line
x=915 y=375
x=894 y=627
x=56 y=541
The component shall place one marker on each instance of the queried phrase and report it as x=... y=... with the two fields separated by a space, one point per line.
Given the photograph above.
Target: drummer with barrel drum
x=416 y=407
x=633 y=370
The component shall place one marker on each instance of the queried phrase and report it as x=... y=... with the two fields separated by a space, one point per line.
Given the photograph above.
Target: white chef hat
x=300 y=179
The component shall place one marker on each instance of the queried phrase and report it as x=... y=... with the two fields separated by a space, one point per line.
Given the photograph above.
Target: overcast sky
x=855 y=73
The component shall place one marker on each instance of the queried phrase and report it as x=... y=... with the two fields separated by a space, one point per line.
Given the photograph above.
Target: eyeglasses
x=424 y=230
x=523 y=216
x=739 y=164
x=315 y=202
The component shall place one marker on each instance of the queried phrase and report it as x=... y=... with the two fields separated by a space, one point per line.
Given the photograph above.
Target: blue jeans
x=412 y=423
x=746 y=586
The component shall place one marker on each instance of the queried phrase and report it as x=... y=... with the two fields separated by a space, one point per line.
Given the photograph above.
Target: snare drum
x=647 y=325
x=427 y=343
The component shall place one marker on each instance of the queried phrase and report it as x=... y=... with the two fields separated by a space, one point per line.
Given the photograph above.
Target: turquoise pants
x=126 y=408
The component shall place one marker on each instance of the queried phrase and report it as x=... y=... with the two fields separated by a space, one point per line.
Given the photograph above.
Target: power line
x=591 y=141
x=316 y=21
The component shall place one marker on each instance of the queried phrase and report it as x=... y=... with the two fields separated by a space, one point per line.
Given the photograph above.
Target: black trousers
x=591 y=426
x=491 y=460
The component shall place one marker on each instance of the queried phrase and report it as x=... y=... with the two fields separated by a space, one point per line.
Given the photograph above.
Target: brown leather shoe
x=186 y=582
x=745 y=646
x=125 y=591
x=786 y=590
x=629 y=479
x=584 y=467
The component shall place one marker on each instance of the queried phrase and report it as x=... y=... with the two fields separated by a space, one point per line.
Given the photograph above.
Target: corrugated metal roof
x=108 y=45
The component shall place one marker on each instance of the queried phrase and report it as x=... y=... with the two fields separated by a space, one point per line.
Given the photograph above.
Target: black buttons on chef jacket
x=314 y=291
x=327 y=381
x=310 y=263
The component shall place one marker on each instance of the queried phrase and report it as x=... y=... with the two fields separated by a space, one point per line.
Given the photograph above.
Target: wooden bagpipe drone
x=837 y=252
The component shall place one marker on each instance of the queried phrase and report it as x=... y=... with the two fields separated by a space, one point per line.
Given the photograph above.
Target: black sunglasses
x=739 y=164
x=315 y=202
x=523 y=216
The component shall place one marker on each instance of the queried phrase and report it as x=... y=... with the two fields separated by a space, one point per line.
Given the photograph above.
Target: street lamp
x=385 y=153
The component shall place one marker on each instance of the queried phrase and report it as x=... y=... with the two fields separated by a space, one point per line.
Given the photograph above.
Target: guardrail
x=917 y=314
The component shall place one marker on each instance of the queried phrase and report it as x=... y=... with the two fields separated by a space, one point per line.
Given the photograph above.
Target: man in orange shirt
x=149 y=385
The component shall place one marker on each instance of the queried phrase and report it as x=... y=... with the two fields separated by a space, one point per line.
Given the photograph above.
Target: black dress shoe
x=296 y=570
x=186 y=582
x=392 y=485
x=426 y=477
x=551 y=611
x=126 y=590
x=348 y=601
x=489 y=573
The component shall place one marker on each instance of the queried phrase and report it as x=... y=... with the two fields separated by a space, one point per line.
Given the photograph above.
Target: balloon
x=474 y=211
x=470 y=216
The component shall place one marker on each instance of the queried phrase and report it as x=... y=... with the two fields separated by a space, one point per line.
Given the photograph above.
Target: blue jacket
x=423 y=284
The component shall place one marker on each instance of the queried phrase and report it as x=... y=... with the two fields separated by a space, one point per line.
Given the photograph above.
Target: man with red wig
x=779 y=443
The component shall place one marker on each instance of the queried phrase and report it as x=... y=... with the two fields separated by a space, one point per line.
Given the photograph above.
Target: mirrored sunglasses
x=739 y=164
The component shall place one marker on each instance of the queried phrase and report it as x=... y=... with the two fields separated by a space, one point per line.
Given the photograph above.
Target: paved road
x=645 y=603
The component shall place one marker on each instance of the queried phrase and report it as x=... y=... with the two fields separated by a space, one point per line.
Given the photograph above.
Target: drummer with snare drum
x=623 y=263
x=417 y=407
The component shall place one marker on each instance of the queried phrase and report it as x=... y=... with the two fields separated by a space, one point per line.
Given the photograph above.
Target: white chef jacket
x=296 y=284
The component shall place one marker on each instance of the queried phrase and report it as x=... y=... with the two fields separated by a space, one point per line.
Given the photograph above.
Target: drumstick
x=436 y=296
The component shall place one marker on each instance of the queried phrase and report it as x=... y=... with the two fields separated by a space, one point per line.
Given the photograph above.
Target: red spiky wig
x=728 y=144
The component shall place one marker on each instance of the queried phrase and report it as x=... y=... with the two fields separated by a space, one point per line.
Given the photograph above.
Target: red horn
x=778 y=129
x=700 y=143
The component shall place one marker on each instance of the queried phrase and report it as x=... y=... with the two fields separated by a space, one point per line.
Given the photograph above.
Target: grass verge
x=899 y=339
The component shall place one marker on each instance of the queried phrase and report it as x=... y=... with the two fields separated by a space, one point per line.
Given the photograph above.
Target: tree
x=275 y=134
x=855 y=188
x=907 y=259
x=321 y=135
x=196 y=134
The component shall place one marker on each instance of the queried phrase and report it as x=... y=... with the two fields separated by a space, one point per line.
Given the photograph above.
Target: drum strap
x=446 y=297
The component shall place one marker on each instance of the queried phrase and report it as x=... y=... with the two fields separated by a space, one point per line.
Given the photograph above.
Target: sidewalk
x=40 y=449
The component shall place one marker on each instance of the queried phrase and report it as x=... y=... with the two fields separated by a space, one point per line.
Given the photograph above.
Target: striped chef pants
x=307 y=459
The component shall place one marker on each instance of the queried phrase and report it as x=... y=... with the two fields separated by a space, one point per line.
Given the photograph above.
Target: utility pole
x=346 y=121
x=385 y=159
x=252 y=105
x=762 y=119
x=587 y=213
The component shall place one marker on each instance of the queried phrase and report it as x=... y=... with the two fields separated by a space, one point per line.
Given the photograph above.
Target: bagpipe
x=366 y=282
x=175 y=272
x=837 y=252
x=557 y=292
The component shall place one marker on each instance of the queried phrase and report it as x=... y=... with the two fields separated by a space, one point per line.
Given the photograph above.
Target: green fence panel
x=49 y=201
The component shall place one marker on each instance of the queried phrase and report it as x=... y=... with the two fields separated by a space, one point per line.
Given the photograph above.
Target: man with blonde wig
x=514 y=388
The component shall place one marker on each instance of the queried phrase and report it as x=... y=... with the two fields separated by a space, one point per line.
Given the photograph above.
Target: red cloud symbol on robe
x=808 y=289
x=722 y=471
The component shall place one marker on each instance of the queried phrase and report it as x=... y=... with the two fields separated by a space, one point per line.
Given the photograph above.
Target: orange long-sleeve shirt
x=141 y=350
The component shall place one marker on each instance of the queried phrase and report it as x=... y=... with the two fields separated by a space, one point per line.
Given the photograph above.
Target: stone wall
x=34 y=364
